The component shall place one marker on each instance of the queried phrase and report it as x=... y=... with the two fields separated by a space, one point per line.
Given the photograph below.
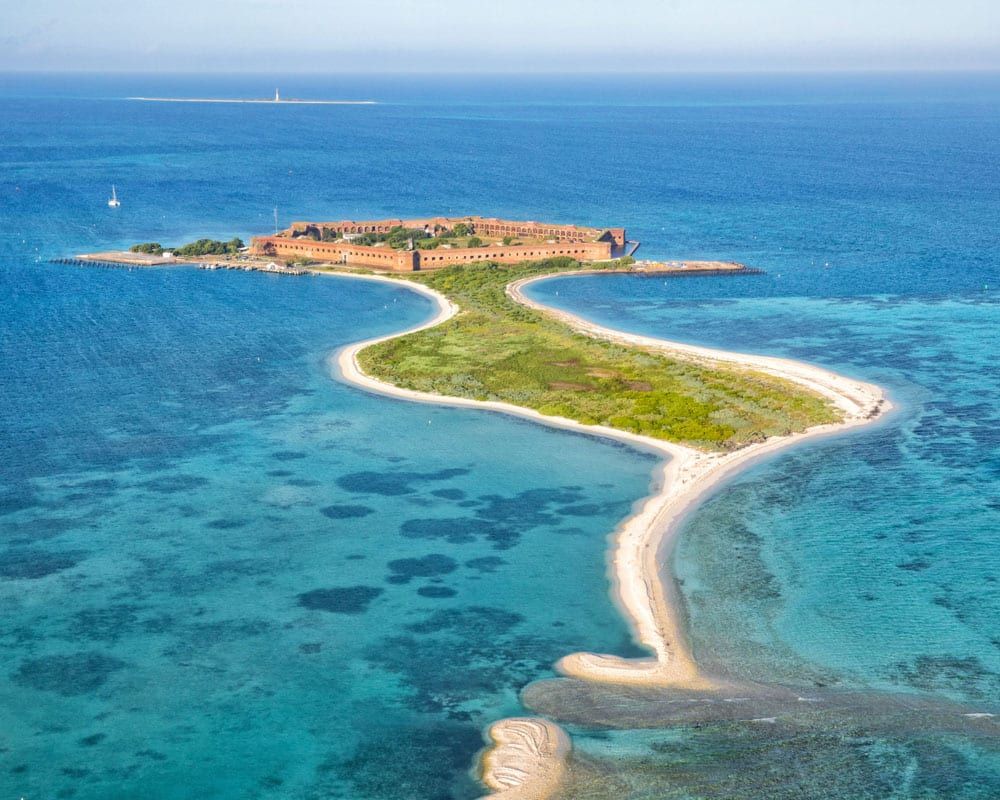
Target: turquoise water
x=867 y=559
x=224 y=574
x=863 y=562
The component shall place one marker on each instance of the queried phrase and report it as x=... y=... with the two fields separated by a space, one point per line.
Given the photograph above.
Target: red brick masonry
x=583 y=244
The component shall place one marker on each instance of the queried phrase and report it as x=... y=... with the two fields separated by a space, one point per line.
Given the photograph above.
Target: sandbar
x=646 y=594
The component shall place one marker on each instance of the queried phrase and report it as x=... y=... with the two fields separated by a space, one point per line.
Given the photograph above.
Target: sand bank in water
x=526 y=760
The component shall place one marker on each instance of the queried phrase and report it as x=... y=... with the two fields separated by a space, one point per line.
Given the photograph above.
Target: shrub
x=153 y=248
x=496 y=349
x=210 y=247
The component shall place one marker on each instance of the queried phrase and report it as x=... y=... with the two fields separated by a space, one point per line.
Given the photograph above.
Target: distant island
x=277 y=99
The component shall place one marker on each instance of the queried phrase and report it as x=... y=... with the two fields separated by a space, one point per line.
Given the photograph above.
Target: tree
x=210 y=247
x=508 y=240
x=475 y=241
x=399 y=237
x=154 y=248
x=461 y=229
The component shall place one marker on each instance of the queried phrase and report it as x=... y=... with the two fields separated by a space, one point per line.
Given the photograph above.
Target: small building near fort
x=407 y=245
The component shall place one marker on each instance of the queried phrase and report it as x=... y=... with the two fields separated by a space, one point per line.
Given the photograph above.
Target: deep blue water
x=223 y=574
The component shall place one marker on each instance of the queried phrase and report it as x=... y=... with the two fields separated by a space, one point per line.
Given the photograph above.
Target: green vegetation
x=153 y=248
x=442 y=240
x=495 y=349
x=202 y=247
x=397 y=238
x=210 y=247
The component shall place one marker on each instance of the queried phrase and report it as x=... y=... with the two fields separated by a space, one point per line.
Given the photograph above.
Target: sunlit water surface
x=223 y=574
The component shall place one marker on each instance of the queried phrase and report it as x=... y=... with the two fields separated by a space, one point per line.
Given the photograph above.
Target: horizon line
x=941 y=70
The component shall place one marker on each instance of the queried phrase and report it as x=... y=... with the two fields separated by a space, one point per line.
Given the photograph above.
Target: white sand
x=644 y=541
x=527 y=759
x=642 y=544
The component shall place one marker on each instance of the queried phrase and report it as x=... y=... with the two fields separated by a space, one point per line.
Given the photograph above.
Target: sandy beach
x=643 y=542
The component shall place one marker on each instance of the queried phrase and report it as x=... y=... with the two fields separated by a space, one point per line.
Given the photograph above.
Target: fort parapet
x=306 y=240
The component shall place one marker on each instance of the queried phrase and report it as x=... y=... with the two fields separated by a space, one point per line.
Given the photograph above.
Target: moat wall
x=412 y=260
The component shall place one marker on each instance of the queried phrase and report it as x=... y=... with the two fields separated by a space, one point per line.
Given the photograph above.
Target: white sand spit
x=528 y=756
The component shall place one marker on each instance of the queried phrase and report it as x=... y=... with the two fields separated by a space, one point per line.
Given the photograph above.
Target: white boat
x=113 y=201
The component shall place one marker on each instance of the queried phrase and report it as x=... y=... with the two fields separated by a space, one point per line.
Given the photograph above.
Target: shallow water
x=867 y=557
x=224 y=574
x=209 y=545
x=864 y=561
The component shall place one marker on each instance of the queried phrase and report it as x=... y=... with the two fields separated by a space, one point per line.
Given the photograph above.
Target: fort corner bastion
x=408 y=245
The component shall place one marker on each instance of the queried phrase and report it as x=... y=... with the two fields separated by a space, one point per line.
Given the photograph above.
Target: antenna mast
x=275 y=220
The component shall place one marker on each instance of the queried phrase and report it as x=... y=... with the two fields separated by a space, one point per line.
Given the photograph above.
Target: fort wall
x=339 y=252
x=411 y=260
x=483 y=226
x=303 y=240
x=515 y=254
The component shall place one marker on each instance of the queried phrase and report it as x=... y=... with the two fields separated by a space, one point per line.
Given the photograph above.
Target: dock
x=127 y=258
x=118 y=259
x=251 y=266
x=694 y=268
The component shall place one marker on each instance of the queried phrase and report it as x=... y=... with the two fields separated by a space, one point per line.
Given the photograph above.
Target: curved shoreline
x=644 y=540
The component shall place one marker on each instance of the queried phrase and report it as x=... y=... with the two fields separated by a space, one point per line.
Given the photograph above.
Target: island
x=277 y=99
x=706 y=413
x=410 y=245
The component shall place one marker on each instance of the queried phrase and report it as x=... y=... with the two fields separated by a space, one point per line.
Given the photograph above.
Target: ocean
x=225 y=574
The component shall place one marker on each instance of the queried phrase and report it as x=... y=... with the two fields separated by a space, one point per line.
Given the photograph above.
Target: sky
x=584 y=36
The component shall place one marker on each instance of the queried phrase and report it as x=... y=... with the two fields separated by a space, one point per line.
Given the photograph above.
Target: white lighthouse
x=277 y=97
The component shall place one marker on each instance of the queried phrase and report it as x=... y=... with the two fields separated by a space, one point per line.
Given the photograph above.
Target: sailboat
x=113 y=201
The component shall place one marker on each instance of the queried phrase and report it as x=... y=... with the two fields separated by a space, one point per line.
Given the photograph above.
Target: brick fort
x=431 y=243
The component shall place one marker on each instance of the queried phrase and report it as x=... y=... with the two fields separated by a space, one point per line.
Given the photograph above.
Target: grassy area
x=495 y=349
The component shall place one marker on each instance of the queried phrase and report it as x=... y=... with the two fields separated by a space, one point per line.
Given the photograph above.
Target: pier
x=128 y=258
x=682 y=268
x=123 y=260
x=77 y=261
